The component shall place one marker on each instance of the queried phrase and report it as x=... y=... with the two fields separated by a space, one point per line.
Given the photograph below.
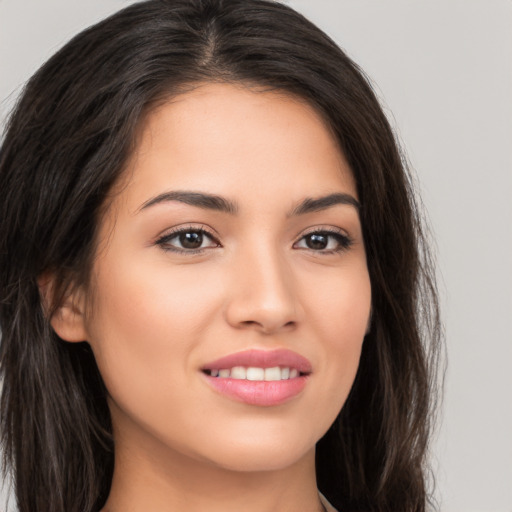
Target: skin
x=157 y=316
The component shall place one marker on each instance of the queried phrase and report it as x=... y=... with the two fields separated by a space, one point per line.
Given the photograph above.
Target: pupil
x=191 y=240
x=316 y=241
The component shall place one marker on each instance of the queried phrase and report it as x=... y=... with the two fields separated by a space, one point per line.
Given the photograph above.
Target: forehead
x=232 y=139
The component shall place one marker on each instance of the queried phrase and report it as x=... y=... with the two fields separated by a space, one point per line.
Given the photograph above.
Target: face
x=235 y=233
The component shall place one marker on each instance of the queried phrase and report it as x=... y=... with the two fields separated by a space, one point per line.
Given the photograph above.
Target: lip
x=260 y=393
x=262 y=359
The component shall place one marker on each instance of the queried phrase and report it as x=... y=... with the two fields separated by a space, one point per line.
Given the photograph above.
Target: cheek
x=340 y=306
x=340 y=320
x=152 y=299
x=146 y=323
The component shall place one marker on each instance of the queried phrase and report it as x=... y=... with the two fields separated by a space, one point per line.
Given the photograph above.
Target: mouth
x=259 y=377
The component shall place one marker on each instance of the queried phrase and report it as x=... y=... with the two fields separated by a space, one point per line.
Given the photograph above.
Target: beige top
x=326 y=504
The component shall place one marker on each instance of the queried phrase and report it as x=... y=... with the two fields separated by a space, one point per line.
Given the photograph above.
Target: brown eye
x=187 y=240
x=191 y=239
x=317 y=241
x=324 y=241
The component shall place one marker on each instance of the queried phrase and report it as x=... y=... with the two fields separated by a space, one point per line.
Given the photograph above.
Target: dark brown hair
x=66 y=145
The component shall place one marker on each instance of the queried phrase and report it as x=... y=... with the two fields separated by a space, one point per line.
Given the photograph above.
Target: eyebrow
x=221 y=204
x=199 y=199
x=311 y=204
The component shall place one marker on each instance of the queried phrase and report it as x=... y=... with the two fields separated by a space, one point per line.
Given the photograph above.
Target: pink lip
x=262 y=393
x=262 y=359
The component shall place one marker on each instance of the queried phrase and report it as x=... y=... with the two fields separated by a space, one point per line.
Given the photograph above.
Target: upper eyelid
x=184 y=228
x=325 y=229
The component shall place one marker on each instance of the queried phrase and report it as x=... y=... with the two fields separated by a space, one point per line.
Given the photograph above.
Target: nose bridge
x=263 y=288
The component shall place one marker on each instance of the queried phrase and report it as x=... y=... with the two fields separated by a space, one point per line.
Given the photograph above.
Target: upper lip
x=262 y=359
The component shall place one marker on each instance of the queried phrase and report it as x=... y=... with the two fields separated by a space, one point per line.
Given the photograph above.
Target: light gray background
x=443 y=69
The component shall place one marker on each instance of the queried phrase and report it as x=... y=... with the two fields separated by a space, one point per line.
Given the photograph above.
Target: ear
x=68 y=319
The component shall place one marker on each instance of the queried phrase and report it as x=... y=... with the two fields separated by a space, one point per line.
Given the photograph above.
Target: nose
x=262 y=293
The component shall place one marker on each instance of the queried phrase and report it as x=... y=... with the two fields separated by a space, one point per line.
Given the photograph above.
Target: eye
x=326 y=241
x=187 y=240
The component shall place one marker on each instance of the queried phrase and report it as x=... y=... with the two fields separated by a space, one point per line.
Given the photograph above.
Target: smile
x=259 y=377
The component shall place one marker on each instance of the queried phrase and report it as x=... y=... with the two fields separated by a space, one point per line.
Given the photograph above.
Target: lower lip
x=263 y=393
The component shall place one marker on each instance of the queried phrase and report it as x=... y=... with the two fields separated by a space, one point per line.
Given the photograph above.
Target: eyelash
x=343 y=240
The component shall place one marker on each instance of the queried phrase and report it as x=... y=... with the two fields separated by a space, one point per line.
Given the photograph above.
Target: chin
x=261 y=455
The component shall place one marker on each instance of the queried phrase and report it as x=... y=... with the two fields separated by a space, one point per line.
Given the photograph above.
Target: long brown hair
x=67 y=143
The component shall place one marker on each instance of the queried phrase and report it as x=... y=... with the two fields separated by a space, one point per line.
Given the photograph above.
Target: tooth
x=255 y=373
x=238 y=372
x=273 y=373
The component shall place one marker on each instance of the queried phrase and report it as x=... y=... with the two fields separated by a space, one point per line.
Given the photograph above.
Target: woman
x=214 y=293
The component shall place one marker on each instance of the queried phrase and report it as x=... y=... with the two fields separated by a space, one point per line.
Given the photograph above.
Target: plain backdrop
x=443 y=70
